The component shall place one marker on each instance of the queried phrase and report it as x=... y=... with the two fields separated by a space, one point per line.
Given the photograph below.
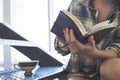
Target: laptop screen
x=34 y=53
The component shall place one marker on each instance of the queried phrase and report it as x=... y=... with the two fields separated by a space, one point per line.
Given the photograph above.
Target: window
x=30 y=19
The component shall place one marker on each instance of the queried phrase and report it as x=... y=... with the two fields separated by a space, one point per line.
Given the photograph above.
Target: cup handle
x=16 y=66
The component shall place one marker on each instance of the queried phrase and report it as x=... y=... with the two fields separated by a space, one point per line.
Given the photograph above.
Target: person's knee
x=110 y=68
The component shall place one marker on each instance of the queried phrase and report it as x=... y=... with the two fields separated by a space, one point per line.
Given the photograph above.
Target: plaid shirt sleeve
x=116 y=41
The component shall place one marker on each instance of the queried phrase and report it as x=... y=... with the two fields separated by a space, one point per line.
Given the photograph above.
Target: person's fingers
x=91 y=40
x=72 y=36
x=67 y=35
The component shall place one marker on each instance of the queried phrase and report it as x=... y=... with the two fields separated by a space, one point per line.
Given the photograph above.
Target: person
x=93 y=61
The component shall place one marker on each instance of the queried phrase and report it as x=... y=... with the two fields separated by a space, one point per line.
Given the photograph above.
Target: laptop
x=46 y=61
x=8 y=35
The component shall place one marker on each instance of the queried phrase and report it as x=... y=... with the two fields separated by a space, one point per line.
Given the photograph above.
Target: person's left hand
x=75 y=46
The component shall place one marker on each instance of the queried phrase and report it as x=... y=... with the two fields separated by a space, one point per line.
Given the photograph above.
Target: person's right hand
x=75 y=46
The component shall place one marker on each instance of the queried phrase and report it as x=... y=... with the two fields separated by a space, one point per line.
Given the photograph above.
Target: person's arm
x=104 y=54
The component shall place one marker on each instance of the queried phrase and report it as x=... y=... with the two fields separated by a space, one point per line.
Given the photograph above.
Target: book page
x=100 y=26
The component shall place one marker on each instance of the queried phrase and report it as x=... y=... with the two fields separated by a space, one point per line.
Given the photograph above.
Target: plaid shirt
x=85 y=11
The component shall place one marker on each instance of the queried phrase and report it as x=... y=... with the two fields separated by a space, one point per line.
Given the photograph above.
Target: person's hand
x=75 y=46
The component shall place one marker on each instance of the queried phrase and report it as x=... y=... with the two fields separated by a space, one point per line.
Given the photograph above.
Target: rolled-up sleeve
x=116 y=41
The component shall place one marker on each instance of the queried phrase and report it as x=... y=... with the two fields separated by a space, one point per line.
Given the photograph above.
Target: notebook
x=46 y=61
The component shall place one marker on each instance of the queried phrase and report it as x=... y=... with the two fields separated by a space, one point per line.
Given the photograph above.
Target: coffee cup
x=27 y=66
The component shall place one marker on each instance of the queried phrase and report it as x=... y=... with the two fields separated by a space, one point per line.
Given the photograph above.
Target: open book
x=66 y=19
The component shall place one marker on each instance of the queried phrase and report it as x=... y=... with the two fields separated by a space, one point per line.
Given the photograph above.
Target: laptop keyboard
x=42 y=72
x=47 y=71
x=11 y=74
